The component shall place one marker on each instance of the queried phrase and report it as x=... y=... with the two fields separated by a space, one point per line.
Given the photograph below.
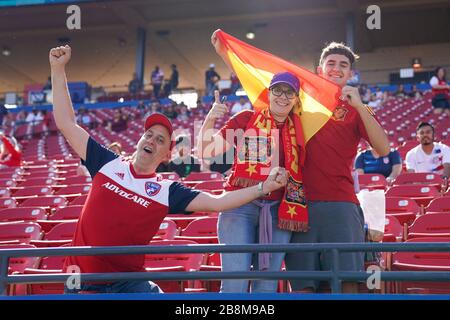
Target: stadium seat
x=393 y=230
x=206 y=226
x=178 y=262
x=22 y=214
x=79 y=201
x=430 y=225
x=59 y=235
x=48 y=265
x=372 y=181
x=74 y=189
x=167 y=230
x=421 y=193
x=47 y=202
x=419 y=178
x=216 y=186
x=7 y=183
x=182 y=220
x=66 y=213
x=33 y=191
x=439 y=205
x=204 y=176
x=5 y=192
x=403 y=209
x=170 y=176
x=77 y=180
x=19 y=264
x=24 y=232
x=7 y=203
x=37 y=182
x=422 y=261
x=202 y=230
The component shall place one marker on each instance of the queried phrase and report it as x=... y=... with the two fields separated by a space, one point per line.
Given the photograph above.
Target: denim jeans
x=241 y=226
x=118 y=287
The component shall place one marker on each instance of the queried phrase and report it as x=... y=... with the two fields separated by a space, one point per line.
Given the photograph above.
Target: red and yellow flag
x=255 y=69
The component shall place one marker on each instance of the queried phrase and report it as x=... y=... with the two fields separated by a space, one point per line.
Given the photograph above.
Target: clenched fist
x=277 y=179
x=351 y=95
x=59 y=56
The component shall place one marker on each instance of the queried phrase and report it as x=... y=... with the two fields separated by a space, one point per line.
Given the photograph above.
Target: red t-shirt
x=14 y=157
x=240 y=121
x=329 y=157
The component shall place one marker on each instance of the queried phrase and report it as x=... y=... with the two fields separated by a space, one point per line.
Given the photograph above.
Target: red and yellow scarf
x=255 y=157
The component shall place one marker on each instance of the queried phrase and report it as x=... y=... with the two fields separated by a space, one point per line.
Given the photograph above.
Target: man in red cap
x=128 y=201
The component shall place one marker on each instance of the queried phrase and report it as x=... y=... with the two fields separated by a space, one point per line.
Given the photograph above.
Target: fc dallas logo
x=152 y=188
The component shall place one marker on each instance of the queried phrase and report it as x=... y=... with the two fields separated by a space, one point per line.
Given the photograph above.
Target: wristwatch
x=260 y=189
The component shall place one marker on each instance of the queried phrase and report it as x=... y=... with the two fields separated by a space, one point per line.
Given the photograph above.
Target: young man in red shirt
x=128 y=201
x=334 y=212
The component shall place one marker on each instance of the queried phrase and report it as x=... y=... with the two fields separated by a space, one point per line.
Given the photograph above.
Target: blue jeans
x=241 y=226
x=118 y=287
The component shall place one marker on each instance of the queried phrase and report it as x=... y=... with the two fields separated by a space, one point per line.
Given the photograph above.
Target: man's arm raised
x=62 y=105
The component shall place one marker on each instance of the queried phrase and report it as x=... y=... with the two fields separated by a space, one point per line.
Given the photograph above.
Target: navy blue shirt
x=382 y=165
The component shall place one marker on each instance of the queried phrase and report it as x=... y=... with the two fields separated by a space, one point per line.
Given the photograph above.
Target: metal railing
x=334 y=276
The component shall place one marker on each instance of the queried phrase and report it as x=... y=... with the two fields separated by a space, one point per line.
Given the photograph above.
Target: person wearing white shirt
x=242 y=104
x=440 y=89
x=34 y=117
x=429 y=156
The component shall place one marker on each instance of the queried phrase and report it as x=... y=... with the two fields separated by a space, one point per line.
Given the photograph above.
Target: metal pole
x=3 y=274
x=336 y=285
x=140 y=54
x=350 y=30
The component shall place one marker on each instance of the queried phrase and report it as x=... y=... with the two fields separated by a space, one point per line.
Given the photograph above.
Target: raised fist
x=59 y=56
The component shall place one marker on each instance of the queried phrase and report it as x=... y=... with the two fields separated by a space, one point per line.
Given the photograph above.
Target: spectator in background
x=157 y=78
x=183 y=163
x=119 y=122
x=154 y=108
x=415 y=93
x=174 y=78
x=440 y=90
x=116 y=147
x=242 y=104
x=429 y=156
x=10 y=154
x=367 y=95
x=20 y=118
x=211 y=79
x=235 y=84
x=47 y=89
x=141 y=107
x=135 y=85
x=184 y=113
x=170 y=112
x=46 y=119
x=84 y=118
x=369 y=161
x=379 y=94
x=3 y=113
x=34 y=117
x=400 y=93
x=374 y=103
x=166 y=89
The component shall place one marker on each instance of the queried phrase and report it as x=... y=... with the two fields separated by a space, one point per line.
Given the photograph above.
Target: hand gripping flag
x=255 y=68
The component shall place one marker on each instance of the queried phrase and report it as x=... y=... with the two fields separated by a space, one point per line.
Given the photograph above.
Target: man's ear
x=319 y=70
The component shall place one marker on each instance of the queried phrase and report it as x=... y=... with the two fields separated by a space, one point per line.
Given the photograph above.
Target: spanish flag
x=255 y=68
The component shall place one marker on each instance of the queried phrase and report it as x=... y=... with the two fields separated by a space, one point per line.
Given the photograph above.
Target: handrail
x=335 y=276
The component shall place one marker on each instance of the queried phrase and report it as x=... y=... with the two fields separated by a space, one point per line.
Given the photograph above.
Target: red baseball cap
x=159 y=118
